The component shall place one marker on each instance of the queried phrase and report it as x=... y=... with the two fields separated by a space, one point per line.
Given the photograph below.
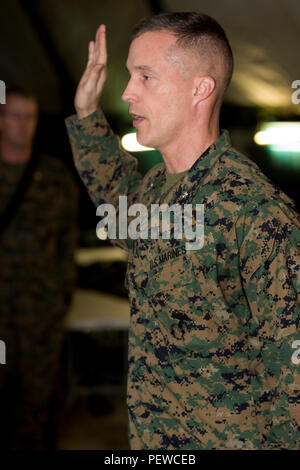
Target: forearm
x=105 y=169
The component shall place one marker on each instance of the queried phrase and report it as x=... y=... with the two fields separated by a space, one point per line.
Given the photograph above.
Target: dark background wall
x=43 y=46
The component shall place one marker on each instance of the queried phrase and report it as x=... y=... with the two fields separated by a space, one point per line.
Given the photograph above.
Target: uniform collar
x=184 y=190
x=214 y=150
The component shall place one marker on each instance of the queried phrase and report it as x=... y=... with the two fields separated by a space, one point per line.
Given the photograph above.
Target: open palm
x=92 y=81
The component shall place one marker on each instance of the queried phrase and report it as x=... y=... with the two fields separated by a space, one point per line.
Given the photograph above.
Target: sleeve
x=68 y=237
x=105 y=169
x=270 y=272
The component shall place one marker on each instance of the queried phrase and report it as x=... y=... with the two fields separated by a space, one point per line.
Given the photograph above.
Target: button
x=184 y=195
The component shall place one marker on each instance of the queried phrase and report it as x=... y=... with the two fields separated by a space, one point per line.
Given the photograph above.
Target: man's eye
x=146 y=77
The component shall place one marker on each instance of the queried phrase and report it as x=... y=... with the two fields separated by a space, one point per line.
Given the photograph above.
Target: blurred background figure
x=38 y=207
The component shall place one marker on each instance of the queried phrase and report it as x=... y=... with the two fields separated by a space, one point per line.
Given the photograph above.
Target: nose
x=129 y=94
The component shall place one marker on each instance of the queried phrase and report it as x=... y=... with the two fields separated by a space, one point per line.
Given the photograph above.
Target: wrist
x=82 y=113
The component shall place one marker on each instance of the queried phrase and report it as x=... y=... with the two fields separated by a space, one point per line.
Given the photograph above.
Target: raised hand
x=92 y=81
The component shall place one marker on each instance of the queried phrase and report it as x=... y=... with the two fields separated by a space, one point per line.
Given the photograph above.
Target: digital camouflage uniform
x=212 y=330
x=36 y=279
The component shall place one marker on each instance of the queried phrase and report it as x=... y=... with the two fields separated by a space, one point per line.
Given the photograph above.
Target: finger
x=89 y=73
x=100 y=53
x=91 y=52
x=95 y=74
x=101 y=80
x=97 y=41
x=103 y=49
x=90 y=79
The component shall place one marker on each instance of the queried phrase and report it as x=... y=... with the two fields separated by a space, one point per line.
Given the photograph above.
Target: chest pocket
x=172 y=291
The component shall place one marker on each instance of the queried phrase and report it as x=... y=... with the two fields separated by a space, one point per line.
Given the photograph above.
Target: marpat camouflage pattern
x=211 y=335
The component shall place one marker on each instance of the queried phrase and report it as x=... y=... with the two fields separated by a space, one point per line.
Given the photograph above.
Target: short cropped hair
x=19 y=90
x=22 y=91
x=195 y=31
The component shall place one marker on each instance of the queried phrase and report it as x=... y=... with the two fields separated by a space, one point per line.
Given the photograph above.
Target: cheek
x=164 y=109
x=173 y=100
x=32 y=127
x=12 y=128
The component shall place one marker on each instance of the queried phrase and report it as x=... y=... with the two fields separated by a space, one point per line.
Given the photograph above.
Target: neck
x=181 y=154
x=15 y=154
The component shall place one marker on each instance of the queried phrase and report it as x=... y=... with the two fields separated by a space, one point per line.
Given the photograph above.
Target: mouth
x=137 y=119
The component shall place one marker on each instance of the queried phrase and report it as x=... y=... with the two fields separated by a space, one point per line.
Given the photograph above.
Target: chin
x=142 y=141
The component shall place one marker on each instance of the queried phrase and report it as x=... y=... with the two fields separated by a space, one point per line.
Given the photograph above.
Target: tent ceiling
x=264 y=34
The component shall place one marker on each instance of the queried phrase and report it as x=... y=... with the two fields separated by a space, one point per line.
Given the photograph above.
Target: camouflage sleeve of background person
x=67 y=236
x=105 y=169
x=269 y=239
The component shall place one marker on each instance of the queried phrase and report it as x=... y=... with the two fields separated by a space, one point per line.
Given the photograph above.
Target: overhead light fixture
x=130 y=143
x=279 y=136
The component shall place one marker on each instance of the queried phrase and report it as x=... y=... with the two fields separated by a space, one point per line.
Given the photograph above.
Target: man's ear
x=204 y=87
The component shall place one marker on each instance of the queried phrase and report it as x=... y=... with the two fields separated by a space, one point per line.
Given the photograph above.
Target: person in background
x=38 y=236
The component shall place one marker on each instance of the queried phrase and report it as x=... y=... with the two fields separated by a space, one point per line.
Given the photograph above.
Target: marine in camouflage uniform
x=212 y=330
x=212 y=358
x=36 y=280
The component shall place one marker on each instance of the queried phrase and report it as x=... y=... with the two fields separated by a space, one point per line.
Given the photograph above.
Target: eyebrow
x=145 y=68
